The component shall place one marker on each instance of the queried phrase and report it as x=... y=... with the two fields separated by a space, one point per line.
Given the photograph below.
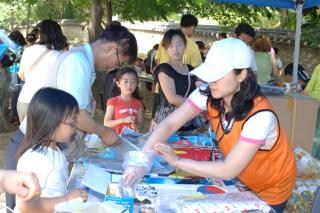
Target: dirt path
x=4 y=140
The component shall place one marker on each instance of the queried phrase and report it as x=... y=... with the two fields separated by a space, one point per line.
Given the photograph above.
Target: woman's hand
x=77 y=193
x=167 y=152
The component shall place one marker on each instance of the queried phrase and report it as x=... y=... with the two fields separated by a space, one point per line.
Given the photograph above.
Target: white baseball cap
x=224 y=56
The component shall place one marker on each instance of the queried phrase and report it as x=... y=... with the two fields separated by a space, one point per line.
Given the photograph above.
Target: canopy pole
x=297 y=41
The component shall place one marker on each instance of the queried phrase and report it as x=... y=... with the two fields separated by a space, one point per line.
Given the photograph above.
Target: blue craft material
x=3 y=50
x=173 y=138
x=126 y=202
x=108 y=154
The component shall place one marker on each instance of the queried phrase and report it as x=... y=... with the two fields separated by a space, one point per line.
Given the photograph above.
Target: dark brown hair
x=167 y=38
x=242 y=101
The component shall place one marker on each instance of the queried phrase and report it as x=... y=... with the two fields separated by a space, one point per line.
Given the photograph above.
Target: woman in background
x=173 y=78
x=265 y=60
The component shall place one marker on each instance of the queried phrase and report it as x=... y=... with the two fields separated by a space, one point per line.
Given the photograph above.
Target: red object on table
x=193 y=152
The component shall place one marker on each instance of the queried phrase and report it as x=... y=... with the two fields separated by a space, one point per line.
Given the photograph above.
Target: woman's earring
x=238 y=89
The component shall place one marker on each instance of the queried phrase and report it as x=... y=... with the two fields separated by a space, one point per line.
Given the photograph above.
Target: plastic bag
x=13 y=85
x=135 y=164
x=308 y=166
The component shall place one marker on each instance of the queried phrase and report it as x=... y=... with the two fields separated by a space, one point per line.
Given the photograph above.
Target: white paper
x=96 y=179
x=69 y=206
x=89 y=207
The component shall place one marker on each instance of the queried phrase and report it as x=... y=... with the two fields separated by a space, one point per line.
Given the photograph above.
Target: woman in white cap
x=255 y=148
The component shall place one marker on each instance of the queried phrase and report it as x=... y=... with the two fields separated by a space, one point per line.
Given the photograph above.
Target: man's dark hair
x=124 y=39
x=245 y=29
x=222 y=35
x=188 y=20
x=156 y=46
x=201 y=44
x=115 y=23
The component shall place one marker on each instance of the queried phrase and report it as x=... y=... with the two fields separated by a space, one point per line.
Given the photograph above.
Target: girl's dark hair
x=17 y=37
x=35 y=31
x=125 y=40
x=125 y=70
x=242 y=101
x=31 y=37
x=167 y=38
x=47 y=109
x=51 y=35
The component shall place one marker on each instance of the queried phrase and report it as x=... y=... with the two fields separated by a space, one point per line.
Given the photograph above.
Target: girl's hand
x=167 y=152
x=77 y=193
x=129 y=119
x=134 y=127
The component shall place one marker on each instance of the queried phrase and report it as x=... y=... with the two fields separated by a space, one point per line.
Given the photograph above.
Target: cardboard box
x=298 y=117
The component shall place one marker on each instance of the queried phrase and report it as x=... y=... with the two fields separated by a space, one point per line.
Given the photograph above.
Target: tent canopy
x=273 y=3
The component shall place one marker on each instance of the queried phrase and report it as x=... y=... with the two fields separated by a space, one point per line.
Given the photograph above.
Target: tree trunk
x=96 y=15
x=28 y=17
x=11 y=20
x=283 y=17
x=109 y=12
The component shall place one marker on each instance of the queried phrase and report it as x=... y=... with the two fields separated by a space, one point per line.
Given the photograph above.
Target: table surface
x=76 y=177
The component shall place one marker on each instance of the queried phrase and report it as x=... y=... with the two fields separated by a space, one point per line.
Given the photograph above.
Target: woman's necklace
x=180 y=68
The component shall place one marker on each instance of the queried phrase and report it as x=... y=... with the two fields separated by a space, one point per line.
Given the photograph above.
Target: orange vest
x=271 y=173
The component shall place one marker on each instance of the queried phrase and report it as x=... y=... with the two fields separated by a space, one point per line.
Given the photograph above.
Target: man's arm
x=107 y=135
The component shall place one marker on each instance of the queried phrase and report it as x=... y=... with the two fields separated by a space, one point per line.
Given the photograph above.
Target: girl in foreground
x=51 y=120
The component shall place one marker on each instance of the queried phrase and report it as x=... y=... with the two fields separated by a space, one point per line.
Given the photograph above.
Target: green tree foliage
x=147 y=10
x=141 y=10
x=20 y=12
x=311 y=28
x=229 y=15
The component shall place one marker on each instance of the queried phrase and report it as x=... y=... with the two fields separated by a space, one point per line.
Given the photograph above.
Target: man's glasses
x=117 y=51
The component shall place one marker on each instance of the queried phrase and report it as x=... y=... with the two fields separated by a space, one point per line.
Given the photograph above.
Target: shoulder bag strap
x=189 y=84
x=63 y=55
x=35 y=63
